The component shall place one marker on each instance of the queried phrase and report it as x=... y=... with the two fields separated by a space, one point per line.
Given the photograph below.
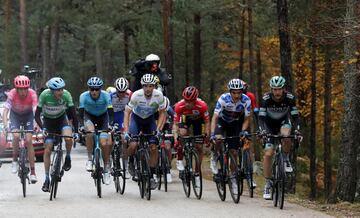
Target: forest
x=315 y=45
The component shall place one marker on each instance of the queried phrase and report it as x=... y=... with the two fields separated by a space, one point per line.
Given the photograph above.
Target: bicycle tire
x=164 y=167
x=220 y=178
x=114 y=163
x=186 y=175
x=146 y=176
x=159 y=171
x=232 y=165
x=98 y=172
x=248 y=172
x=281 y=181
x=241 y=174
x=23 y=171
x=122 y=179
x=196 y=162
x=55 y=174
x=274 y=192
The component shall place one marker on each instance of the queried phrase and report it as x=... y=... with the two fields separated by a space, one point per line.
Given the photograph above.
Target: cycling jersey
x=254 y=105
x=53 y=108
x=144 y=107
x=199 y=110
x=95 y=107
x=21 y=105
x=273 y=114
x=119 y=104
x=230 y=111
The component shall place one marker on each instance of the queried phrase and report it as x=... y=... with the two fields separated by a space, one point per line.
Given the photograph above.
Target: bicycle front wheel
x=196 y=176
x=122 y=178
x=55 y=174
x=23 y=170
x=220 y=178
x=233 y=179
x=281 y=181
x=185 y=175
x=164 y=167
x=248 y=172
x=146 y=175
x=98 y=173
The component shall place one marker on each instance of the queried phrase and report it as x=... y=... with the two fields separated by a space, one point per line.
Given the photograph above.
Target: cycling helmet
x=110 y=89
x=153 y=58
x=167 y=102
x=121 y=84
x=148 y=79
x=277 y=82
x=235 y=84
x=245 y=85
x=56 y=83
x=95 y=82
x=21 y=81
x=190 y=93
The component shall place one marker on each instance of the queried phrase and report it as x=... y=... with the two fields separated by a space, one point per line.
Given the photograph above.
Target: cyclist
x=21 y=102
x=142 y=107
x=119 y=99
x=231 y=118
x=276 y=108
x=251 y=95
x=95 y=109
x=54 y=103
x=190 y=111
x=110 y=90
x=151 y=64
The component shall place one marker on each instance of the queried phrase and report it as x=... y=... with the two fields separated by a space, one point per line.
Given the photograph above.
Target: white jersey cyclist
x=143 y=107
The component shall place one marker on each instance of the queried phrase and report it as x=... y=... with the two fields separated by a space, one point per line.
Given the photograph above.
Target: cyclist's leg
x=105 y=139
x=133 y=130
x=197 y=130
x=149 y=126
x=285 y=130
x=233 y=129
x=183 y=131
x=89 y=138
x=29 y=125
x=15 y=126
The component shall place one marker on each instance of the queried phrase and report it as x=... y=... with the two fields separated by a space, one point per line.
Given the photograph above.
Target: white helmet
x=121 y=84
x=235 y=84
x=148 y=79
x=153 y=58
x=277 y=82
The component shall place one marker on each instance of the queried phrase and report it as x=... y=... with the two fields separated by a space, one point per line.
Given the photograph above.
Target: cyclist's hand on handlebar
x=81 y=129
x=126 y=136
x=76 y=137
x=243 y=134
x=158 y=133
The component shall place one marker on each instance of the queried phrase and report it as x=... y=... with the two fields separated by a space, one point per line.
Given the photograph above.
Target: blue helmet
x=95 y=82
x=56 y=83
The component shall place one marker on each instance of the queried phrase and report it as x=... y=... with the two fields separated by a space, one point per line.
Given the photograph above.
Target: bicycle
x=164 y=164
x=142 y=168
x=118 y=164
x=192 y=165
x=23 y=160
x=97 y=161
x=278 y=170
x=246 y=165
x=228 y=170
x=56 y=171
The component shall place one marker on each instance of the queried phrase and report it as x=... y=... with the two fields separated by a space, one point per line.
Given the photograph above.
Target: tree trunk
x=187 y=79
x=7 y=39
x=54 y=44
x=126 y=47
x=197 y=51
x=327 y=125
x=312 y=148
x=45 y=54
x=99 y=60
x=250 y=44
x=23 y=33
x=241 y=47
x=347 y=170
x=168 y=44
x=258 y=97
x=285 y=46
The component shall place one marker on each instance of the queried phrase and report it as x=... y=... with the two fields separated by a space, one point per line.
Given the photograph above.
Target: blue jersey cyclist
x=231 y=118
x=120 y=99
x=142 y=107
x=96 y=109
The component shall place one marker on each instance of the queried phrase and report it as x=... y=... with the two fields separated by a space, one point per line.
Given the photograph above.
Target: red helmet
x=190 y=93
x=22 y=82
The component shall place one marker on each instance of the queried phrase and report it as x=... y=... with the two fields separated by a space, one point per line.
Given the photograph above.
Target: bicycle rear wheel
x=185 y=175
x=248 y=172
x=233 y=179
x=197 y=188
x=220 y=178
x=98 y=173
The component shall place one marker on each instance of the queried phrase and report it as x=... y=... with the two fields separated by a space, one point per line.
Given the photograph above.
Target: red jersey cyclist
x=191 y=111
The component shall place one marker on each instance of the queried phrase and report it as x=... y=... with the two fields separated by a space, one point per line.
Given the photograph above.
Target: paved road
x=77 y=198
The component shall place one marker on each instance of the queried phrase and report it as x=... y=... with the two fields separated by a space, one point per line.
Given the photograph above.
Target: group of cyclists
x=144 y=108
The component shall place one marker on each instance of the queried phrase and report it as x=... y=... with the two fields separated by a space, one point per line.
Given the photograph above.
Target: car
x=37 y=139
